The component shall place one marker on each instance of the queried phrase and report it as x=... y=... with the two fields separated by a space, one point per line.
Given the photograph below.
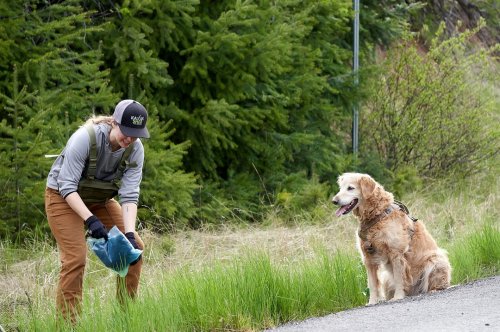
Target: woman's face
x=118 y=139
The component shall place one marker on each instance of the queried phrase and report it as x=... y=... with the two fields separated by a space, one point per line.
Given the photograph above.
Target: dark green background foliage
x=249 y=101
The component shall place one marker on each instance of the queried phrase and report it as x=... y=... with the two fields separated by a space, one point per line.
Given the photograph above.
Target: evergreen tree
x=261 y=93
x=137 y=34
x=56 y=84
x=21 y=158
x=166 y=200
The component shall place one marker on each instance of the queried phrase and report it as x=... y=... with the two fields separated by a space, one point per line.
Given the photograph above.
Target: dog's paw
x=397 y=297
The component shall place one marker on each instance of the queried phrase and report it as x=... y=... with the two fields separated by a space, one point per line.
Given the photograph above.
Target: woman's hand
x=96 y=228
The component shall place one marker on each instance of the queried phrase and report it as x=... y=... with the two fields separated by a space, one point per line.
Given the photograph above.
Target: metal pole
x=355 y=115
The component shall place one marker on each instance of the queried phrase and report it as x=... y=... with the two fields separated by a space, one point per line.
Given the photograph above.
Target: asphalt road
x=470 y=307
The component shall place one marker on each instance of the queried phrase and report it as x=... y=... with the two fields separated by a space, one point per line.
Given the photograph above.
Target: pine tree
x=22 y=143
x=136 y=35
x=54 y=84
x=166 y=200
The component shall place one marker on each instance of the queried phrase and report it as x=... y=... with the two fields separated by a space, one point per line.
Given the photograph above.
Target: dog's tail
x=436 y=274
x=422 y=283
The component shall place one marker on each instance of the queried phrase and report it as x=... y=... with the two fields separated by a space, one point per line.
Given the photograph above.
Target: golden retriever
x=400 y=255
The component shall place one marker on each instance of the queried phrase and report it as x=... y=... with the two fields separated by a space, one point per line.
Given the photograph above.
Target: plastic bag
x=117 y=253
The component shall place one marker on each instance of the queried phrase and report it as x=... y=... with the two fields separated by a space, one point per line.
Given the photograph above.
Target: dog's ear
x=339 y=179
x=366 y=185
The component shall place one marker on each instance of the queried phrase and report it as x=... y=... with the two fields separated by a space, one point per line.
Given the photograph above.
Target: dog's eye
x=350 y=188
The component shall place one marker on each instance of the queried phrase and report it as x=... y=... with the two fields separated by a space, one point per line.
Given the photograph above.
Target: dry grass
x=459 y=208
x=196 y=248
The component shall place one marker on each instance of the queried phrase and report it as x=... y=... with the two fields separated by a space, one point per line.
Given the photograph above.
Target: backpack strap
x=124 y=163
x=92 y=153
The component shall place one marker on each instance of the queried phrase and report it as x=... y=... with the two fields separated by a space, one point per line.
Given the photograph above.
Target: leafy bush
x=430 y=111
x=298 y=198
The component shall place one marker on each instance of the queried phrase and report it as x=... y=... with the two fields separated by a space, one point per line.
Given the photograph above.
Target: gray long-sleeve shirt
x=69 y=167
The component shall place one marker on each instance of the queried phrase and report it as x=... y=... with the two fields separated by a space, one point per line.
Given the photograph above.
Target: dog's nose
x=335 y=201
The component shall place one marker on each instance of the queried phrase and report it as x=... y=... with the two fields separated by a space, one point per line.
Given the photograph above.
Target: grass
x=476 y=256
x=252 y=292
x=247 y=294
x=247 y=279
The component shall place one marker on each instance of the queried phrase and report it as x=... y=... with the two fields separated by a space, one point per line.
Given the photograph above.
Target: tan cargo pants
x=69 y=231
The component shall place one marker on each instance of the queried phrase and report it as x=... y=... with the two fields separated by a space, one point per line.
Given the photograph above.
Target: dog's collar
x=364 y=227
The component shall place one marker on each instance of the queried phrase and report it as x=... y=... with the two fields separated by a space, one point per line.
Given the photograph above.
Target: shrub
x=431 y=111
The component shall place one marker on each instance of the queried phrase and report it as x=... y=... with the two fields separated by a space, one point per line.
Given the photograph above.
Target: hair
x=95 y=119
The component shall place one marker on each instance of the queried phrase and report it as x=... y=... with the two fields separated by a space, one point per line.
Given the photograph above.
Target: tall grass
x=248 y=294
x=477 y=255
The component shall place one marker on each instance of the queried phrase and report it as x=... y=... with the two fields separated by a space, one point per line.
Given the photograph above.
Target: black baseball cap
x=131 y=116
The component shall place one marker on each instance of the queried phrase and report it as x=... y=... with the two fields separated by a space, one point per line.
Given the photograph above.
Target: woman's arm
x=129 y=211
x=75 y=202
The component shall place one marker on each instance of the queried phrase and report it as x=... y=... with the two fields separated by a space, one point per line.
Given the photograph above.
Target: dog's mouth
x=345 y=209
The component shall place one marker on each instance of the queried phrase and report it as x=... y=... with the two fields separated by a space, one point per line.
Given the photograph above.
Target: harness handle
x=403 y=208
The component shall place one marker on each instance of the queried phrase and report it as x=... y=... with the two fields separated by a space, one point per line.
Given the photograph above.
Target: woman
x=79 y=196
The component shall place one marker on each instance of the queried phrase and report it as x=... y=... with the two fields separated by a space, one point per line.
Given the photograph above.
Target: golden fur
x=400 y=255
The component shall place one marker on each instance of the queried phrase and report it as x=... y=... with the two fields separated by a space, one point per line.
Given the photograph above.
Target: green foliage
x=60 y=72
x=62 y=67
x=22 y=161
x=258 y=95
x=381 y=20
x=297 y=196
x=429 y=112
x=405 y=180
x=236 y=200
x=476 y=255
x=166 y=192
x=127 y=46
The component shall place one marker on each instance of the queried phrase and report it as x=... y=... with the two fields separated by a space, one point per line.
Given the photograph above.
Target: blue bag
x=117 y=253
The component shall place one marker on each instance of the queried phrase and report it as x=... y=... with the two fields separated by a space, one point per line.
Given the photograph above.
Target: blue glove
x=96 y=228
x=131 y=238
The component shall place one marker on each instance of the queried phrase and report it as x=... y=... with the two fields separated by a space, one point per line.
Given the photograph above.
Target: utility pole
x=355 y=111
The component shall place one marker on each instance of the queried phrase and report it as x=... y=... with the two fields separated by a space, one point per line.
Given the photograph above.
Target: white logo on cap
x=137 y=120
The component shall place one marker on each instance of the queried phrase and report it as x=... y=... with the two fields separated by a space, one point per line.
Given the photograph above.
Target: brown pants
x=69 y=232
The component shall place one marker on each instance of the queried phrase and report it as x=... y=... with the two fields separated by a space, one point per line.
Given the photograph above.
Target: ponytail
x=95 y=119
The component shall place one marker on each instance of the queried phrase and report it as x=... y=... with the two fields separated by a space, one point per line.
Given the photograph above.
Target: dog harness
x=363 y=230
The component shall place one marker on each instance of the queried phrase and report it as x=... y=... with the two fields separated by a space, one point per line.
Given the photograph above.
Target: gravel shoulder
x=470 y=307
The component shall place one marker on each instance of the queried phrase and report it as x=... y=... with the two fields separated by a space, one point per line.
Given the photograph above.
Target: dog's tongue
x=341 y=210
